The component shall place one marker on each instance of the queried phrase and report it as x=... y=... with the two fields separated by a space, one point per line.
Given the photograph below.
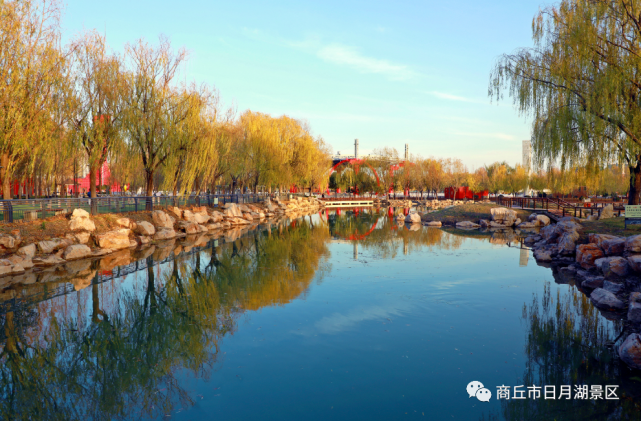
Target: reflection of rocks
x=143 y=253
x=467 y=225
x=77 y=266
x=120 y=258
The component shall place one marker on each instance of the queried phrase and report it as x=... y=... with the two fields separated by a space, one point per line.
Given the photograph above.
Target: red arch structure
x=356 y=163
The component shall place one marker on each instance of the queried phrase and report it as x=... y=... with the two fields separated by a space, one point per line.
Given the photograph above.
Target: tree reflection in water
x=123 y=359
x=568 y=342
x=388 y=234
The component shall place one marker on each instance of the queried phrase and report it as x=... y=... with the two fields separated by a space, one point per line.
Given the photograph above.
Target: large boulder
x=635 y=262
x=599 y=239
x=50 y=246
x=188 y=227
x=76 y=251
x=434 y=224
x=413 y=218
x=81 y=221
x=549 y=233
x=48 y=260
x=586 y=254
x=126 y=223
x=633 y=244
x=177 y=212
x=614 y=246
x=467 y=225
x=504 y=216
x=27 y=251
x=606 y=300
x=543 y=255
x=145 y=228
x=593 y=282
x=542 y=220
x=616 y=266
x=114 y=240
x=567 y=242
x=161 y=219
x=165 y=234
x=607 y=212
x=630 y=351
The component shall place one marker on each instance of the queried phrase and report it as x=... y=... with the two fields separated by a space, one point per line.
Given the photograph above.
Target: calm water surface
x=328 y=317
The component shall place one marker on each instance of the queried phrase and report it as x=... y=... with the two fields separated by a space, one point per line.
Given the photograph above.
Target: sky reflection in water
x=328 y=317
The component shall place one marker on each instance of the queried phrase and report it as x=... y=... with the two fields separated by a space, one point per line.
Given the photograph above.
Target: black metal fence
x=34 y=209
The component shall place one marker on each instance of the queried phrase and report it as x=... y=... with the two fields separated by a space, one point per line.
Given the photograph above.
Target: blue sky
x=387 y=73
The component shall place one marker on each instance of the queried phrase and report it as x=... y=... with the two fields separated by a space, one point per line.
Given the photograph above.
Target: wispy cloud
x=502 y=136
x=349 y=57
x=450 y=97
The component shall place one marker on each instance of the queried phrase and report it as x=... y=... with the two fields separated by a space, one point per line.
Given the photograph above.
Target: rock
x=504 y=216
x=630 y=351
x=614 y=246
x=25 y=262
x=413 y=218
x=101 y=252
x=633 y=244
x=606 y=212
x=165 y=234
x=188 y=227
x=593 y=282
x=143 y=239
x=115 y=240
x=126 y=223
x=466 y=225
x=144 y=228
x=567 y=243
x=76 y=251
x=613 y=287
x=177 y=212
x=48 y=260
x=525 y=225
x=598 y=239
x=634 y=312
x=8 y=243
x=542 y=220
x=635 y=262
x=82 y=237
x=606 y=300
x=162 y=220
x=543 y=255
x=27 y=251
x=80 y=221
x=592 y=217
x=601 y=261
x=434 y=224
x=50 y=246
x=616 y=266
x=586 y=254
x=549 y=234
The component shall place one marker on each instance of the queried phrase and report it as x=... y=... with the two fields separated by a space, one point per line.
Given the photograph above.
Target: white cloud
x=443 y=95
x=347 y=56
x=338 y=322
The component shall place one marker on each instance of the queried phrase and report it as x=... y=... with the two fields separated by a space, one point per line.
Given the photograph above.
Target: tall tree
x=30 y=67
x=581 y=84
x=97 y=106
x=154 y=107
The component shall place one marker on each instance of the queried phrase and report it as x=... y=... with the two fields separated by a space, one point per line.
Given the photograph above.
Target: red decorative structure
x=357 y=163
x=464 y=193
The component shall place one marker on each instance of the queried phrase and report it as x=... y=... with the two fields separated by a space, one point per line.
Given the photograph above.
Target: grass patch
x=468 y=212
x=614 y=226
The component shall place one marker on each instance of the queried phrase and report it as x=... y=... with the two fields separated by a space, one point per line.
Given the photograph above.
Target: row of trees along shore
x=581 y=85
x=431 y=176
x=83 y=104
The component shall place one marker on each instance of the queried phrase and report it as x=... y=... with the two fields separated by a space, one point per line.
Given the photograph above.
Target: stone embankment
x=607 y=268
x=83 y=242
x=502 y=218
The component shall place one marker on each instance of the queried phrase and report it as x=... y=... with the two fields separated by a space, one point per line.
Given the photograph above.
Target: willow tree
x=581 y=84
x=30 y=68
x=153 y=105
x=97 y=106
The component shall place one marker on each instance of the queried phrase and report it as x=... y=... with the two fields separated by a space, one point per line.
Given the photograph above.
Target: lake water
x=327 y=317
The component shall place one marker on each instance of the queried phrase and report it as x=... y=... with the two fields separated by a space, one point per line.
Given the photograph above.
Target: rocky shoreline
x=607 y=269
x=21 y=263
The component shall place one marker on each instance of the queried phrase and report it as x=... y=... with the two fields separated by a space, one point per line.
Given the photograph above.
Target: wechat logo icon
x=479 y=391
